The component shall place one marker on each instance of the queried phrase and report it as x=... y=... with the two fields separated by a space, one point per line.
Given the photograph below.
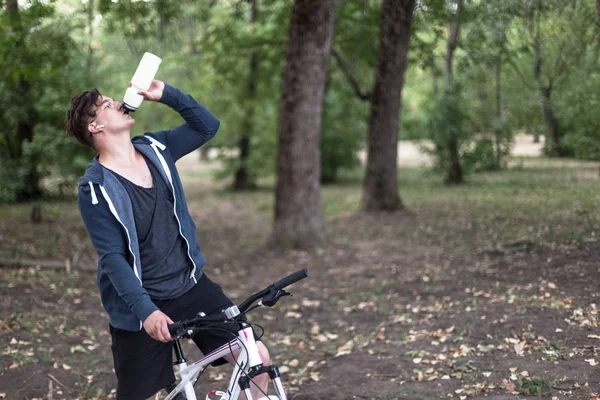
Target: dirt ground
x=461 y=296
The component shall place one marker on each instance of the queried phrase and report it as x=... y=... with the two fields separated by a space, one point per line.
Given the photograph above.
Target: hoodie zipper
x=114 y=212
x=154 y=144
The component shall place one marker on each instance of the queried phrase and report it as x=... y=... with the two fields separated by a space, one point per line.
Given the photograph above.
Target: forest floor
x=487 y=290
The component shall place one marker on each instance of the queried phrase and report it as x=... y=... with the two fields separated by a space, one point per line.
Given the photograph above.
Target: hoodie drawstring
x=94 y=198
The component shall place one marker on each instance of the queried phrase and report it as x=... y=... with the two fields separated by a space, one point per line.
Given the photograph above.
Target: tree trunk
x=242 y=179
x=452 y=43
x=499 y=112
x=553 y=138
x=380 y=185
x=298 y=215
x=90 y=55
x=545 y=90
x=455 y=173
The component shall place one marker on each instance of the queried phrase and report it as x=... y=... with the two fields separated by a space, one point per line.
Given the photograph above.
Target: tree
x=30 y=74
x=21 y=89
x=298 y=214
x=380 y=185
x=455 y=172
x=552 y=39
x=243 y=180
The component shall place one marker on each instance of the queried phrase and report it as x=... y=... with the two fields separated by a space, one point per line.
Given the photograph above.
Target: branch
x=518 y=71
x=349 y=77
x=23 y=262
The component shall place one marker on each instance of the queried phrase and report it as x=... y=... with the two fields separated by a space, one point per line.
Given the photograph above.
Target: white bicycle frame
x=247 y=359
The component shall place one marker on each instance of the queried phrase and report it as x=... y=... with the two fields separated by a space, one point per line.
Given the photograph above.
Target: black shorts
x=143 y=365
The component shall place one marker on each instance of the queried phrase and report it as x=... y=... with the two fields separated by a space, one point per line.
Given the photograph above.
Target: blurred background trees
x=462 y=76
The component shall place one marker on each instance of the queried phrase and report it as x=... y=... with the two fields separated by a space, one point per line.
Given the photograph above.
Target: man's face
x=110 y=114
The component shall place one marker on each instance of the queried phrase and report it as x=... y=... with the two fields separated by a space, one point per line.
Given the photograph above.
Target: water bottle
x=144 y=74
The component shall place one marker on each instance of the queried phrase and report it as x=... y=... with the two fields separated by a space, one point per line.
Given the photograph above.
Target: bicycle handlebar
x=183 y=326
x=290 y=279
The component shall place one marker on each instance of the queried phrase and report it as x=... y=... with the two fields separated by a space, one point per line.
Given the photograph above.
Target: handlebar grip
x=174 y=327
x=292 y=278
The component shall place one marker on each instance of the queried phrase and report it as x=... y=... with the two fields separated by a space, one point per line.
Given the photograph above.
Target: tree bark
x=545 y=90
x=298 y=215
x=452 y=43
x=455 y=173
x=242 y=180
x=380 y=185
x=499 y=110
x=90 y=55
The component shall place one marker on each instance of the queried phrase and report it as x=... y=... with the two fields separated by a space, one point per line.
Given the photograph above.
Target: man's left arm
x=200 y=124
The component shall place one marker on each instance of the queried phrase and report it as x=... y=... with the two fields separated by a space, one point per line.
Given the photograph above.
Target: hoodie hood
x=94 y=172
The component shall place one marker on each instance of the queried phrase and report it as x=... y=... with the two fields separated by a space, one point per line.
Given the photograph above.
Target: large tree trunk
x=22 y=93
x=380 y=185
x=242 y=179
x=455 y=173
x=298 y=214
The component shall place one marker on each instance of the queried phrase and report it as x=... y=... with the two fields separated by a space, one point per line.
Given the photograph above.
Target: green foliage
x=37 y=73
x=529 y=386
x=206 y=49
x=343 y=130
x=446 y=121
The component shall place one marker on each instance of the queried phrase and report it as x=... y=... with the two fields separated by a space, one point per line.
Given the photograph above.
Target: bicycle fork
x=273 y=372
x=182 y=364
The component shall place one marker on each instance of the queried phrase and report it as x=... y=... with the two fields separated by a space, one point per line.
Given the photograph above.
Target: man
x=150 y=266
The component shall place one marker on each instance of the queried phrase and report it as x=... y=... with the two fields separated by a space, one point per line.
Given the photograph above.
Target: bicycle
x=248 y=364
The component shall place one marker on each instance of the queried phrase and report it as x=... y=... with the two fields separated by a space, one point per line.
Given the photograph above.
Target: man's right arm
x=110 y=242
x=199 y=127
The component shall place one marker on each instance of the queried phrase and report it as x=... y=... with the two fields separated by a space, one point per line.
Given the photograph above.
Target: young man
x=150 y=267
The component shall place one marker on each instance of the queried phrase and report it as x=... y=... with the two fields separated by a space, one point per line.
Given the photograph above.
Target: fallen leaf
x=519 y=347
x=66 y=367
x=345 y=349
x=591 y=361
x=593 y=337
x=78 y=349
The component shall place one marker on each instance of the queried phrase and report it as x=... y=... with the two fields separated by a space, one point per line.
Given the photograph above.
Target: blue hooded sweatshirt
x=108 y=216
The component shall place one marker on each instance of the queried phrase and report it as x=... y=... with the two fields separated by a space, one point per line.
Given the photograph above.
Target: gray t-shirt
x=163 y=252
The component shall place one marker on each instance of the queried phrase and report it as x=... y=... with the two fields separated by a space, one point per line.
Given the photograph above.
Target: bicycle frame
x=247 y=359
x=248 y=364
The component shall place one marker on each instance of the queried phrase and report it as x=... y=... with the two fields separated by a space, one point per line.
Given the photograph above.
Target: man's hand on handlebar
x=156 y=325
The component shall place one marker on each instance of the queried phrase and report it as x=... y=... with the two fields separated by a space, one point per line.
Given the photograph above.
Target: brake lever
x=273 y=297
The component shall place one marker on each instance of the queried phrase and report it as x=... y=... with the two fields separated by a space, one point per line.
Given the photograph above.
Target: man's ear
x=93 y=128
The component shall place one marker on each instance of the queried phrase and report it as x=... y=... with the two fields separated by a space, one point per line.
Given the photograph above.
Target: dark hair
x=81 y=113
